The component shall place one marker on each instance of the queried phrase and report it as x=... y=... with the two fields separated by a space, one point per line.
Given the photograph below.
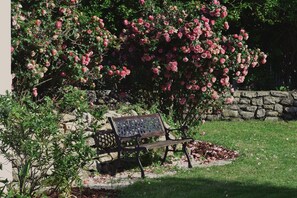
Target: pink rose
x=59 y=24
x=141 y=2
x=84 y=69
x=182 y=101
x=214 y=95
x=222 y=60
x=226 y=25
x=151 y=18
x=35 y=92
x=156 y=71
x=203 y=89
x=38 y=22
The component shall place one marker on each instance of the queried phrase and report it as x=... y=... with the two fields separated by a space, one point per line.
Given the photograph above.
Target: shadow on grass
x=204 y=188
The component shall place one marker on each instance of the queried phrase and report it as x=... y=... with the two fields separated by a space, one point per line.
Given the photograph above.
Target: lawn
x=266 y=167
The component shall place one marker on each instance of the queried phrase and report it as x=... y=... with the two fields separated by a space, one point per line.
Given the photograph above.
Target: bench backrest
x=145 y=125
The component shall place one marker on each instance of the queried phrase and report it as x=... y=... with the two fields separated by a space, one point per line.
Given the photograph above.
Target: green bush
x=43 y=155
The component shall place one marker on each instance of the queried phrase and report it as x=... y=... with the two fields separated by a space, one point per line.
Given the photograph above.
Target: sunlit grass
x=267 y=166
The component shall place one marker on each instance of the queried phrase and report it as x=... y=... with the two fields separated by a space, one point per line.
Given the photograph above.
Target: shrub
x=183 y=58
x=53 y=45
x=43 y=155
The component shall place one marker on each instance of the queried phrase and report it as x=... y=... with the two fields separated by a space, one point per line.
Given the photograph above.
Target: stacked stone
x=263 y=105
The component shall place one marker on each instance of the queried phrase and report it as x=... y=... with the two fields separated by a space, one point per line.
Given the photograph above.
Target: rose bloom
x=182 y=101
x=35 y=92
x=203 y=89
x=59 y=24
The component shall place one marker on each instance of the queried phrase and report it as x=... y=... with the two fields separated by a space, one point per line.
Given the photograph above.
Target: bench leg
x=140 y=165
x=165 y=155
x=187 y=155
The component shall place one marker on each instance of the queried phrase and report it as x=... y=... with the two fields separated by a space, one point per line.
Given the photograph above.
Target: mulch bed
x=204 y=152
x=94 y=193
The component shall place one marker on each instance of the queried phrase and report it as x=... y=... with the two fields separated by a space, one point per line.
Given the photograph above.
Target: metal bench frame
x=133 y=129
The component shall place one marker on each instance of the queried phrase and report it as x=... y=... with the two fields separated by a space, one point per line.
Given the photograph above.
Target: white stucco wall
x=5 y=72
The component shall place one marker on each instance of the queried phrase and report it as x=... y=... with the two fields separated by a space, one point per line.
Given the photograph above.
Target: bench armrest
x=182 y=129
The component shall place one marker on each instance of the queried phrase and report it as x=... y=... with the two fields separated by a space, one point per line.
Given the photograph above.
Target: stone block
x=271 y=100
x=269 y=107
x=294 y=95
x=244 y=101
x=71 y=126
x=257 y=101
x=67 y=118
x=237 y=94
x=247 y=115
x=287 y=101
x=271 y=119
x=236 y=100
x=213 y=117
x=262 y=93
x=248 y=94
x=279 y=108
x=272 y=113
x=230 y=113
x=233 y=107
x=251 y=108
x=279 y=93
x=260 y=113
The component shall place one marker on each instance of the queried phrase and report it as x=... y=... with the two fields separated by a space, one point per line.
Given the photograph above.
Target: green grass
x=266 y=167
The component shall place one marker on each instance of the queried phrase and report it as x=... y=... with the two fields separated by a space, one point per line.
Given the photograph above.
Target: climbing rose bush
x=53 y=45
x=185 y=58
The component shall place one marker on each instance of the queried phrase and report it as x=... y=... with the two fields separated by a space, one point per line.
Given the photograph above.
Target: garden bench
x=132 y=133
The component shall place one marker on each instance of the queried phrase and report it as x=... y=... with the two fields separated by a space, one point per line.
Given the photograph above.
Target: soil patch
x=202 y=153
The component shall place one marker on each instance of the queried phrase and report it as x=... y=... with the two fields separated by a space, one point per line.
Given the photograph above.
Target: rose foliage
x=185 y=59
x=53 y=45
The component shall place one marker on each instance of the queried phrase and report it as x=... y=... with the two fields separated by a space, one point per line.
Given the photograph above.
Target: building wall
x=5 y=73
x=262 y=105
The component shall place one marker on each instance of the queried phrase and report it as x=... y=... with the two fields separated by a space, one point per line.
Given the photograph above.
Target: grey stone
x=230 y=113
x=294 y=95
x=237 y=94
x=133 y=113
x=260 y=113
x=248 y=94
x=287 y=101
x=257 y=101
x=90 y=141
x=262 y=93
x=236 y=100
x=243 y=106
x=271 y=100
x=269 y=107
x=87 y=117
x=279 y=108
x=271 y=119
x=279 y=93
x=244 y=101
x=101 y=101
x=67 y=118
x=246 y=114
x=111 y=114
x=233 y=107
x=272 y=113
x=295 y=103
x=251 y=108
x=213 y=117
x=71 y=126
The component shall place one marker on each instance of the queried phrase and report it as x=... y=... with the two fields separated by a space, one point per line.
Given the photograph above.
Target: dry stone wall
x=262 y=105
